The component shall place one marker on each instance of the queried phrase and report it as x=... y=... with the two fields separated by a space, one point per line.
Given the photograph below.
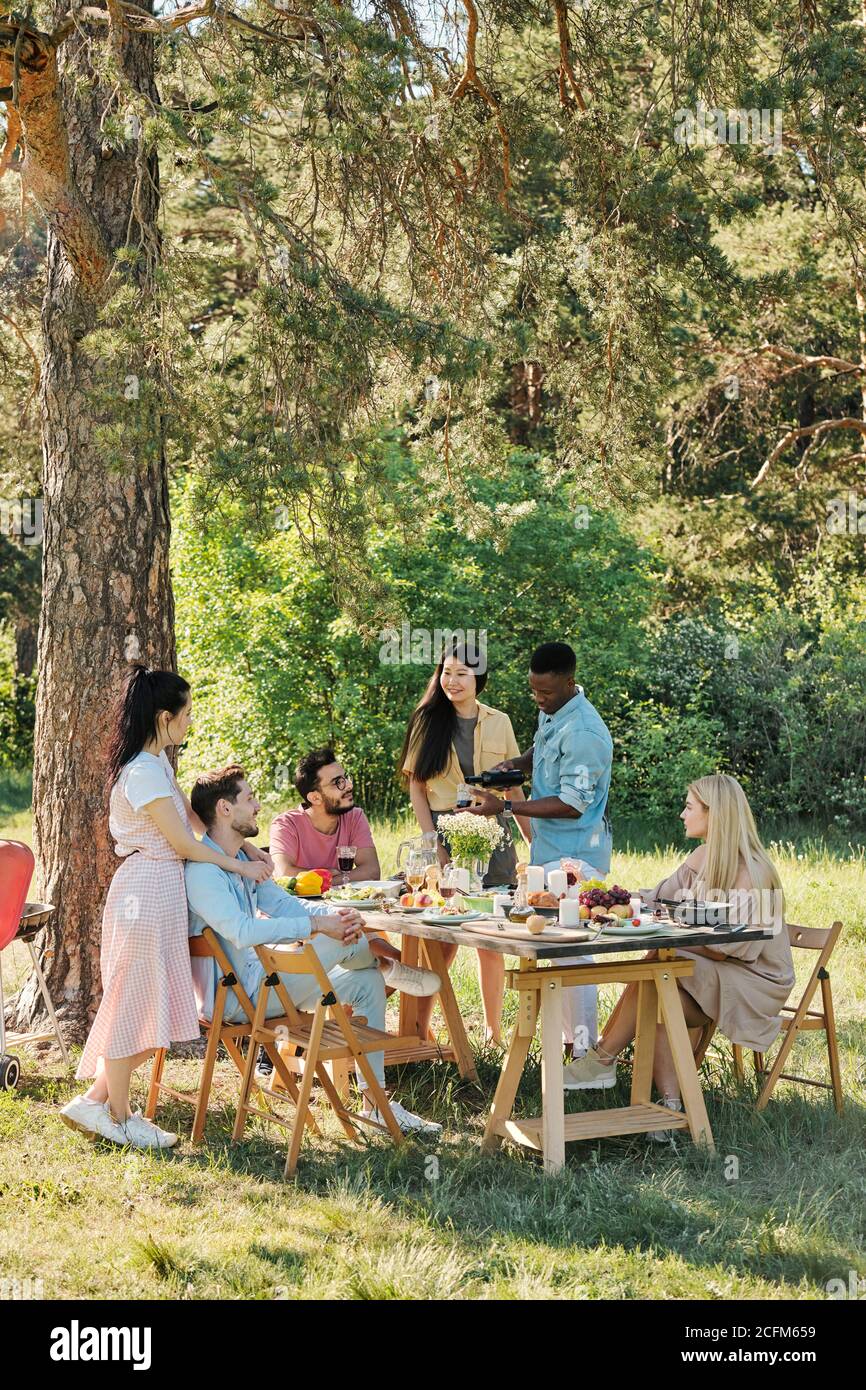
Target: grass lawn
x=777 y=1211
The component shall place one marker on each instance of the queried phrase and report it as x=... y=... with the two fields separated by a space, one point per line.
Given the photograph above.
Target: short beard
x=337 y=808
x=248 y=831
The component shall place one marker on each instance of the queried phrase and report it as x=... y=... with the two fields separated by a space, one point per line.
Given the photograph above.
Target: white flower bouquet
x=470 y=837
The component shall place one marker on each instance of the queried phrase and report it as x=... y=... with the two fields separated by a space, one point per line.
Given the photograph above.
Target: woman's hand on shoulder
x=255 y=870
x=258 y=856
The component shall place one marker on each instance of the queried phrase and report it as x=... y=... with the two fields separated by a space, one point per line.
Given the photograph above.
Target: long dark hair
x=145 y=695
x=434 y=720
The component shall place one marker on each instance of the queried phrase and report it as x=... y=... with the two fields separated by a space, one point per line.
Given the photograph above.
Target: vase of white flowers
x=471 y=840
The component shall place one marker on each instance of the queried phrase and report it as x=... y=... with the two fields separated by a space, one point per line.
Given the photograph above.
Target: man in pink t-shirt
x=309 y=836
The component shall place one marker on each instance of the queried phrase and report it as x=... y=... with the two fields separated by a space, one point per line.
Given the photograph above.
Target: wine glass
x=345 y=861
x=416 y=869
x=448 y=881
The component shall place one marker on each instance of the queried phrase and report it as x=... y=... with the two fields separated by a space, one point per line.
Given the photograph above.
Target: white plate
x=362 y=904
x=452 y=919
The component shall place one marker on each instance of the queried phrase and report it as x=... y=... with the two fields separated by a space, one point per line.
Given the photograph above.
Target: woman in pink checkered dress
x=147 y=999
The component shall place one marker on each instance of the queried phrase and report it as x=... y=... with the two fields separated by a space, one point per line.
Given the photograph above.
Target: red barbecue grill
x=21 y=921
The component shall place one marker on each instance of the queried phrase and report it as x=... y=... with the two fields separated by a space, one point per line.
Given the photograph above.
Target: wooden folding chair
x=231 y=1035
x=798 y=1018
x=327 y=1035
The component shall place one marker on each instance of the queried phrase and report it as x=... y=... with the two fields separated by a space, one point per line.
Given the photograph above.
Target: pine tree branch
x=469 y=79
x=818 y=430
x=29 y=57
x=566 y=70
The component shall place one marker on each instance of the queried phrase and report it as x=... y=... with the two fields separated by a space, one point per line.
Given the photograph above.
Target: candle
x=569 y=912
x=500 y=902
x=460 y=879
x=535 y=878
x=557 y=882
x=634 y=906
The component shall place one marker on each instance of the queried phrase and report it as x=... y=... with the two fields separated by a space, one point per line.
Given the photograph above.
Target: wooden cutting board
x=513 y=931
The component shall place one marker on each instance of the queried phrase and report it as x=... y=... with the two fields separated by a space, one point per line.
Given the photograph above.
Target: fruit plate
x=449 y=919
x=650 y=929
x=515 y=931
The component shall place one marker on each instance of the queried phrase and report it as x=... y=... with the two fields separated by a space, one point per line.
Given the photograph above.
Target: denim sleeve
x=583 y=761
x=210 y=895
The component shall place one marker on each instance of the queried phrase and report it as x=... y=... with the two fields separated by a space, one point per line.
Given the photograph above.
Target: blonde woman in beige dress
x=741 y=986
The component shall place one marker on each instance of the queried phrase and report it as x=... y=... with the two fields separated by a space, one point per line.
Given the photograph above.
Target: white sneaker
x=666 y=1136
x=408 y=1123
x=92 y=1119
x=144 y=1134
x=408 y=979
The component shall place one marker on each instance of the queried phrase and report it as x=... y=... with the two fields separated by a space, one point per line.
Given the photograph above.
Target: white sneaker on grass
x=144 y=1134
x=92 y=1118
x=408 y=979
x=407 y=1121
x=666 y=1136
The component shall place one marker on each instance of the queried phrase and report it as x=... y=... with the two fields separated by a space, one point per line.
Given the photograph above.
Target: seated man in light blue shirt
x=224 y=804
x=570 y=761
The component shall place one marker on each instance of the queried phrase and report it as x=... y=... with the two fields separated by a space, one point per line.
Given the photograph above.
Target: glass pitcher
x=423 y=844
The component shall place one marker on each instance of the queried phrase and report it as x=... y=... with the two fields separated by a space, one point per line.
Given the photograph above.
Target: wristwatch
x=507 y=809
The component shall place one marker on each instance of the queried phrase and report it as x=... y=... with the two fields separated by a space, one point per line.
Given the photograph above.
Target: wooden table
x=423 y=945
x=540 y=982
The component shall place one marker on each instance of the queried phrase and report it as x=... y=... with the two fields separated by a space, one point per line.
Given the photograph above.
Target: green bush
x=659 y=752
x=17 y=718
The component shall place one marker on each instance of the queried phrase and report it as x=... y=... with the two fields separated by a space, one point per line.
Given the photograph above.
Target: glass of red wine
x=346 y=861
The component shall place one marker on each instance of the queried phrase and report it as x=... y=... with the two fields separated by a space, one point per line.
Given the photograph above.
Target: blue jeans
x=355 y=979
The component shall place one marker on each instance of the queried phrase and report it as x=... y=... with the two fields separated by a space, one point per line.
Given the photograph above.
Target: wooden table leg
x=552 y=1094
x=451 y=1011
x=644 y=1043
x=410 y=955
x=509 y=1077
x=684 y=1059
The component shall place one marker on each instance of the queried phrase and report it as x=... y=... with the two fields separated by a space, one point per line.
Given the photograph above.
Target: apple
x=407 y=900
x=423 y=900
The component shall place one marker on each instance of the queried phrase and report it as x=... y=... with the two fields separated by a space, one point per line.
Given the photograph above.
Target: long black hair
x=144 y=696
x=434 y=720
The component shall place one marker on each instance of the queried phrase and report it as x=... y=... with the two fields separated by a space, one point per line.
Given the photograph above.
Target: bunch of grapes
x=597 y=897
x=619 y=895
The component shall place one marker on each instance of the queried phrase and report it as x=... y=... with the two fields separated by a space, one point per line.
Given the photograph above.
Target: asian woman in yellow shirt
x=452 y=736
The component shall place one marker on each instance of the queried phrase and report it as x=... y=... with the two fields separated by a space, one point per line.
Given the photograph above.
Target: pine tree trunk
x=107 y=595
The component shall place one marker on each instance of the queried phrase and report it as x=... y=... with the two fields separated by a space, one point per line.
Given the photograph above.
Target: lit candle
x=557 y=882
x=535 y=878
x=569 y=912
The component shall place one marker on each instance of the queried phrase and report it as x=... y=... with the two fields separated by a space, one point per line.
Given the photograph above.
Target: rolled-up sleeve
x=582 y=764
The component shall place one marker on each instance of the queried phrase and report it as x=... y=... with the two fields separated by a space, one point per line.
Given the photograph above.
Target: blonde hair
x=732 y=837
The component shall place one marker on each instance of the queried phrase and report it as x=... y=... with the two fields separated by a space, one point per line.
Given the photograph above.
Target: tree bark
x=107 y=595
